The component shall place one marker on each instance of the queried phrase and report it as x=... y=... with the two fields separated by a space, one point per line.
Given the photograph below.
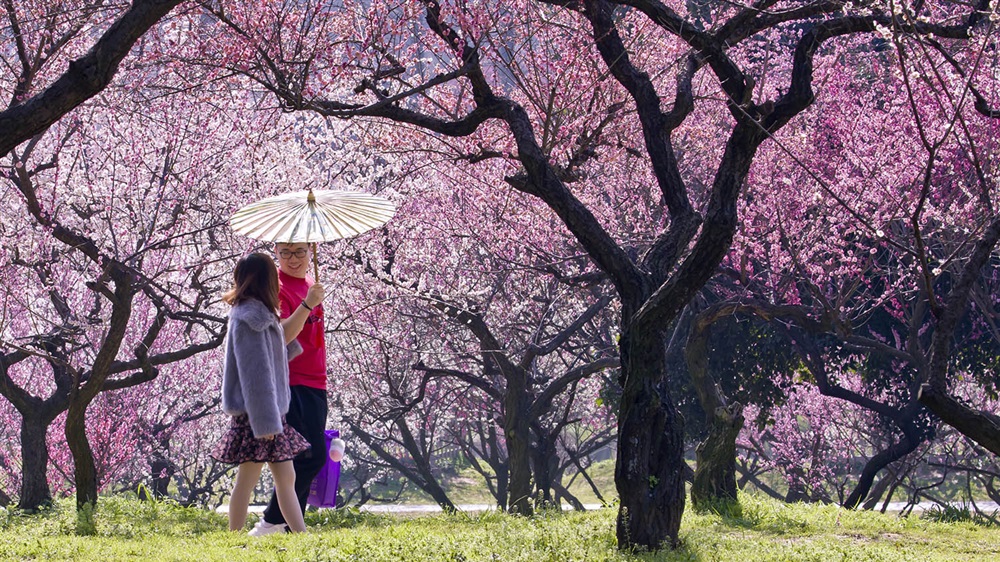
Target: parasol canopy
x=312 y=216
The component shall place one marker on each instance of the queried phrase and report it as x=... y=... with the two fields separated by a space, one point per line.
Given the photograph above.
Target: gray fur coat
x=255 y=369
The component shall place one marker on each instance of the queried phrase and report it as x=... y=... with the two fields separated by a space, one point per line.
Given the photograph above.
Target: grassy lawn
x=603 y=474
x=468 y=487
x=766 y=530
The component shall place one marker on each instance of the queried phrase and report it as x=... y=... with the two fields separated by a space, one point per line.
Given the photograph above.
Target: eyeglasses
x=286 y=254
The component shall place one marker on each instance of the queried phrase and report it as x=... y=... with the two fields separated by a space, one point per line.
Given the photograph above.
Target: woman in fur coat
x=255 y=393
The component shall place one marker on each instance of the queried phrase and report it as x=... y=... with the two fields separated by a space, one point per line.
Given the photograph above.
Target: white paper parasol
x=312 y=216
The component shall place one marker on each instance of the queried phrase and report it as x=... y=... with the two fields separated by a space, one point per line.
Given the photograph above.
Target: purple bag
x=323 y=492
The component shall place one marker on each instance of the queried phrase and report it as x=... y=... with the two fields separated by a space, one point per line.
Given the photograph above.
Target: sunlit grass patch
x=761 y=530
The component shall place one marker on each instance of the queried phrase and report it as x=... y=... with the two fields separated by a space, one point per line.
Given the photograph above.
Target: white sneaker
x=264 y=528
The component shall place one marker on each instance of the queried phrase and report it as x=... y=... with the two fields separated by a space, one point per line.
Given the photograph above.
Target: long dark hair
x=255 y=277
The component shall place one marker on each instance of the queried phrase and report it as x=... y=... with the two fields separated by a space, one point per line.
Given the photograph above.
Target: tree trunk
x=34 y=462
x=518 y=437
x=519 y=485
x=161 y=468
x=563 y=493
x=426 y=480
x=877 y=491
x=893 y=453
x=85 y=468
x=162 y=471
x=982 y=427
x=36 y=417
x=649 y=473
x=545 y=464
x=503 y=488
x=715 y=475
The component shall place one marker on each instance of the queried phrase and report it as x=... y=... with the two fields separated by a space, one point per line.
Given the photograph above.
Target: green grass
x=763 y=530
x=468 y=487
x=603 y=474
x=465 y=487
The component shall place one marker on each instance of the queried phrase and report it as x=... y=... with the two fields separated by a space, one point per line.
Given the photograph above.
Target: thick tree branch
x=656 y=128
x=710 y=50
x=19 y=397
x=85 y=77
x=147 y=366
x=544 y=398
x=466 y=377
x=544 y=183
x=800 y=93
x=716 y=234
x=753 y=20
x=956 y=303
x=534 y=351
x=980 y=426
x=452 y=128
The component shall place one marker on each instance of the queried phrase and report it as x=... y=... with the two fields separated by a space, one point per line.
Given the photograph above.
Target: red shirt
x=309 y=368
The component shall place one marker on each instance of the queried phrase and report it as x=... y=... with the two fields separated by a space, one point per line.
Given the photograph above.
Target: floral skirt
x=238 y=445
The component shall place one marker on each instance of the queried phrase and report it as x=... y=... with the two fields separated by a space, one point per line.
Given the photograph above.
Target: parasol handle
x=315 y=264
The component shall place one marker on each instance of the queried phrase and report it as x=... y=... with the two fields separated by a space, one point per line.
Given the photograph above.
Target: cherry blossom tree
x=852 y=269
x=58 y=56
x=635 y=126
x=92 y=309
x=40 y=36
x=816 y=444
x=464 y=74
x=127 y=194
x=814 y=441
x=502 y=348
